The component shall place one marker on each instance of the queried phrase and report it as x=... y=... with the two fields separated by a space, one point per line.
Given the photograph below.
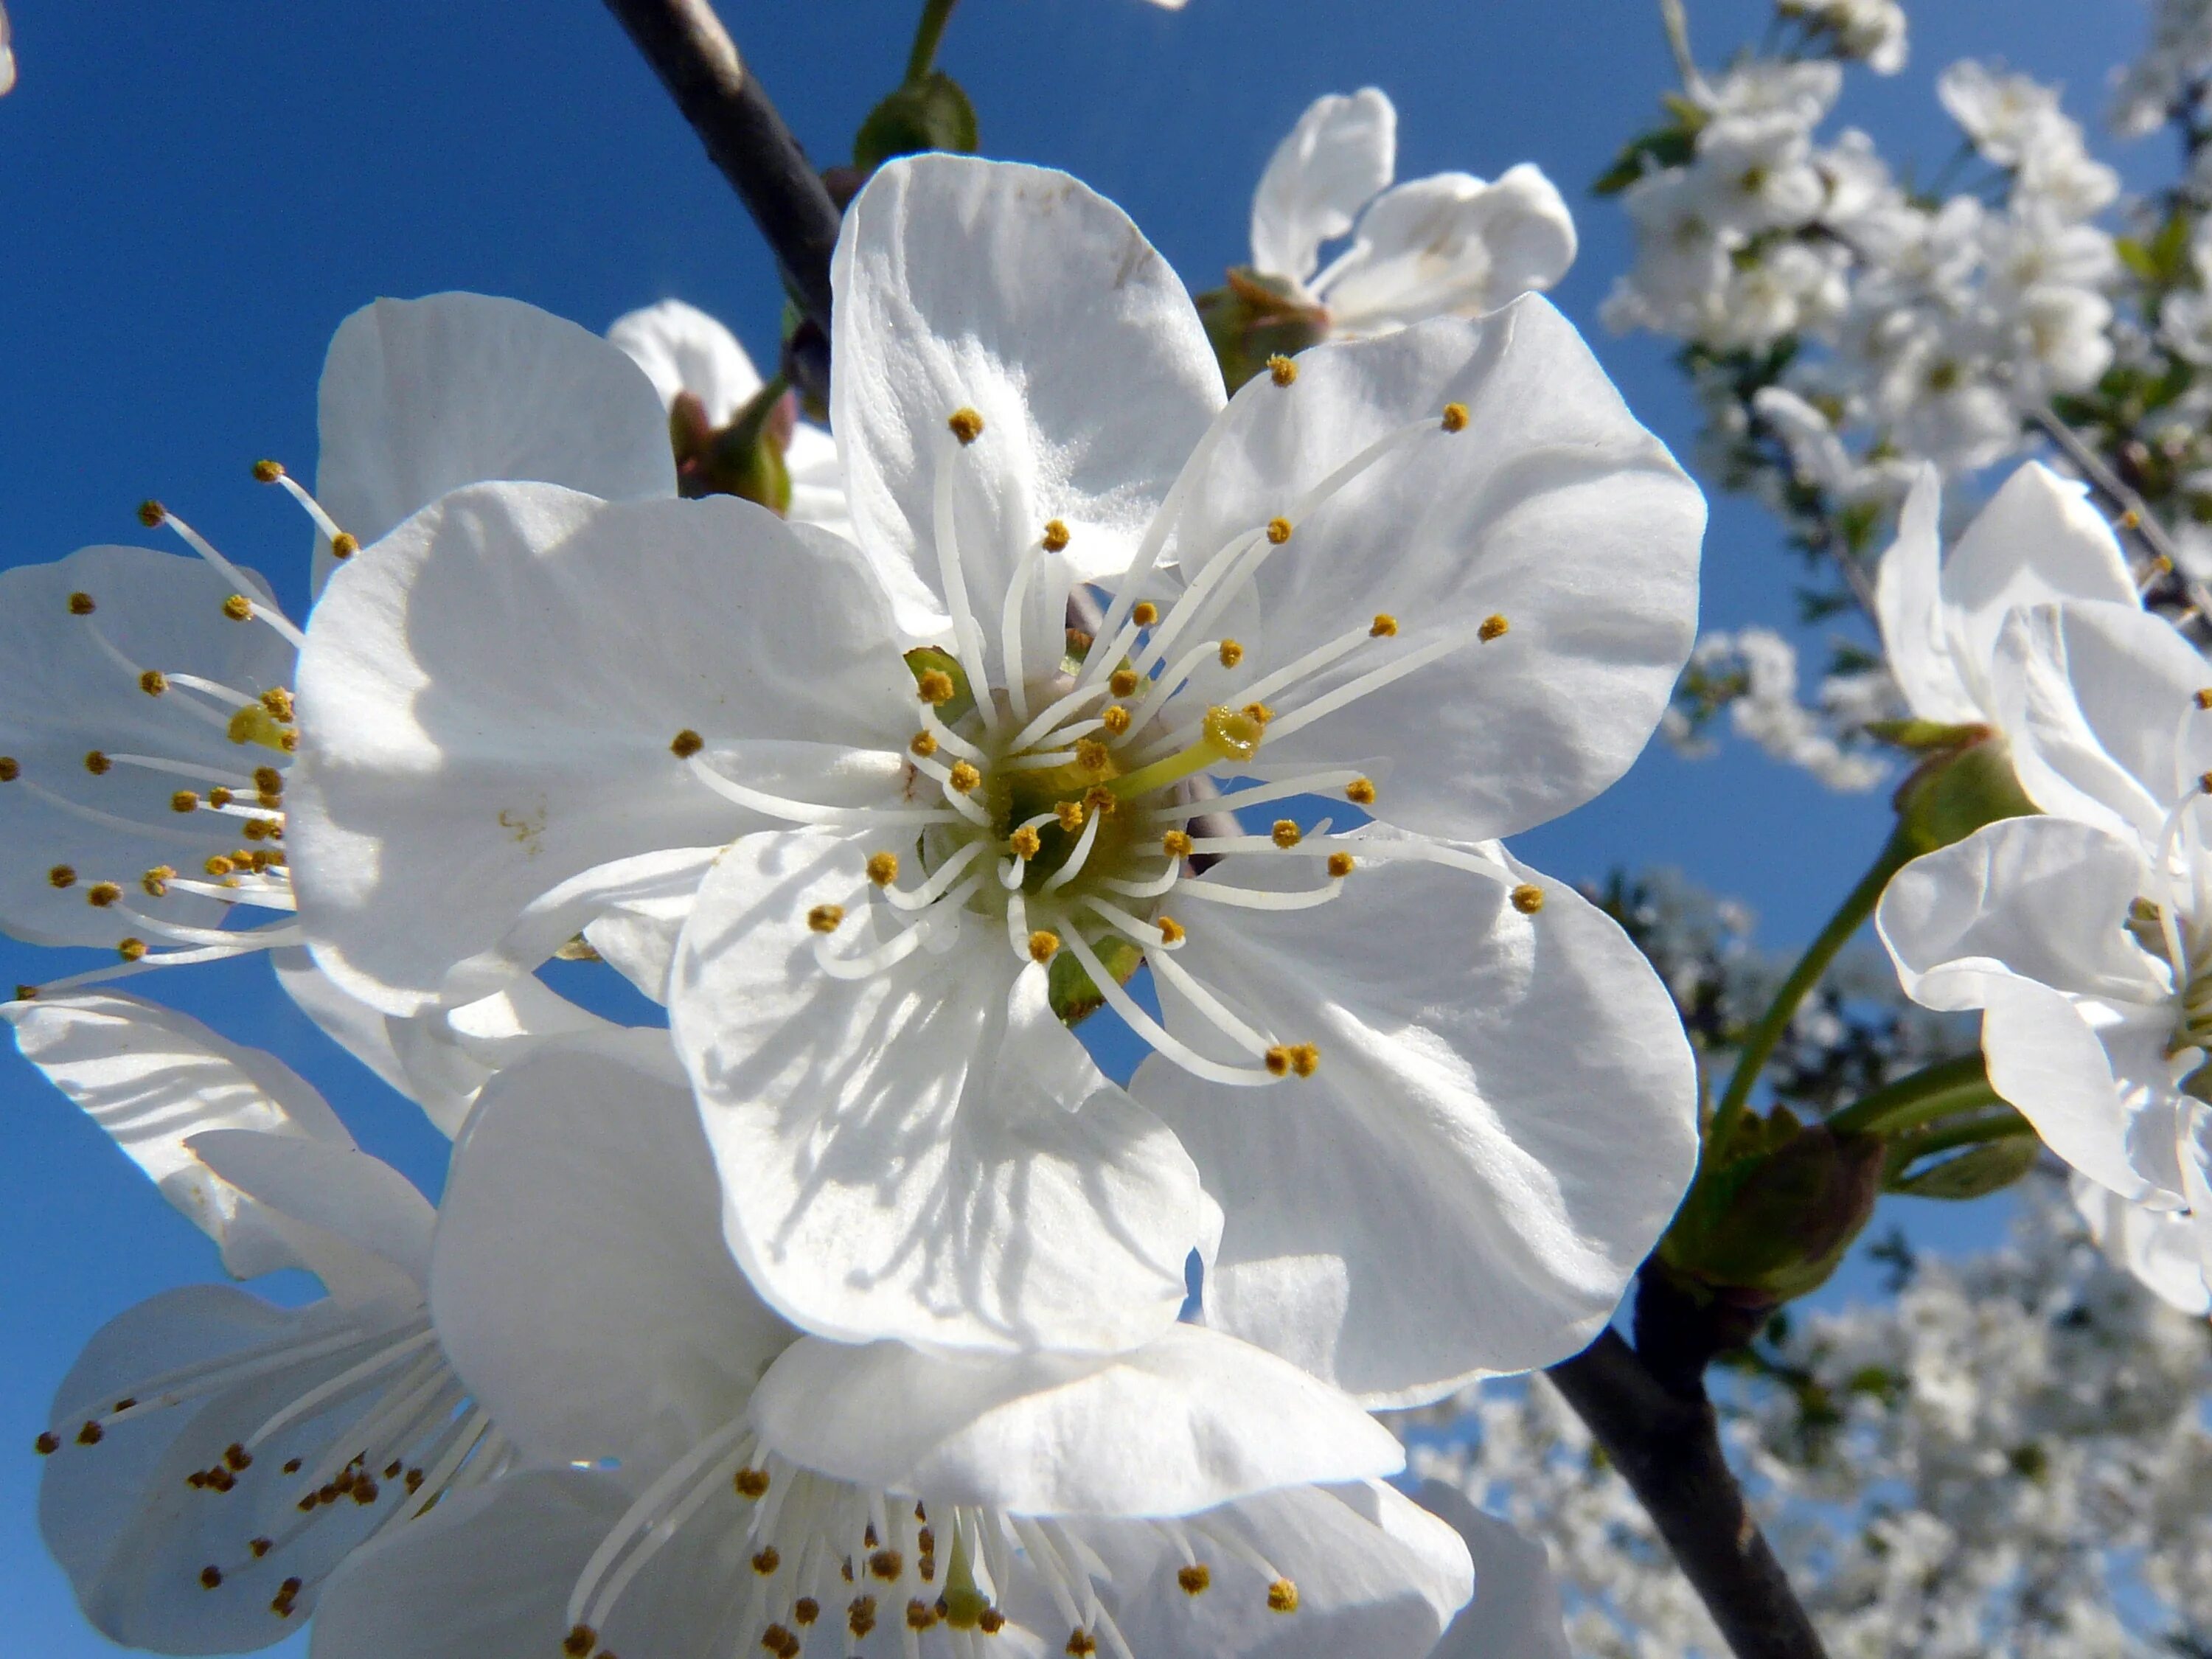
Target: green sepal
x=1069 y=988
x=930 y=113
x=1975 y=1173
x=1954 y=793
x=1648 y=152
x=1252 y=317
x=1775 y=1213
x=1922 y=736
x=928 y=659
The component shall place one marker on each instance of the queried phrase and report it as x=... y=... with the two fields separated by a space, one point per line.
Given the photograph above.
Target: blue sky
x=195 y=194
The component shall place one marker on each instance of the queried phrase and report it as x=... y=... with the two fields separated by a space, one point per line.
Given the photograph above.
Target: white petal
x=420 y=397
x=62 y=695
x=448 y=1055
x=2158 y=1247
x=2044 y=1058
x=154 y=1079
x=580 y=1277
x=2038 y=540
x=1908 y=604
x=360 y=1200
x=1503 y=1122
x=1342 y=152
x=2041 y=898
x=356 y=1026
x=818 y=482
x=457 y=768
x=1376 y=1575
x=924 y=1153
x=2196 y=1181
x=1516 y=1608
x=681 y=349
x=1451 y=244
x=1552 y=508
x=1021 y=294
x=2095 y=697
x=1188 y=1421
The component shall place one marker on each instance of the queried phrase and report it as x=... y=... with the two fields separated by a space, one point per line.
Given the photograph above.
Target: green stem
x=1943 y=1090
x=1677 y=21
x=935 y=14
x=1758 y=1047
x=2002 y=1126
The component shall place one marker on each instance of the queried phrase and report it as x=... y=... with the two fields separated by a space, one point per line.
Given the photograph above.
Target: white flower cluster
x=1759 y=669
x=2168 y=77
x=842 y=1311
x=2009 y=1457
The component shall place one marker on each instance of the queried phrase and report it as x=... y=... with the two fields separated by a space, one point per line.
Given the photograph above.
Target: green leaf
x=1668 y=147
x=1976 y=1172
x=931 y=113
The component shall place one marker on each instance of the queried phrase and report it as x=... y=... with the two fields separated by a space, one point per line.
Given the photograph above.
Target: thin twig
x=2136 y=515
x=698 y=62
x=1668 y=1446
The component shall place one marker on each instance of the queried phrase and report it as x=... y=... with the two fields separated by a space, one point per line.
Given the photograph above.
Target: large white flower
x=213 y=1456
x=1442 y=577
x=145 y=698
x=1447 y=244
x=770 y=1491
x=684 y=351
x=2084 y=937
x=2038 y=540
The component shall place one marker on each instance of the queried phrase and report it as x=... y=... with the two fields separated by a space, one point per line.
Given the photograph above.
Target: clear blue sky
x=194 y=194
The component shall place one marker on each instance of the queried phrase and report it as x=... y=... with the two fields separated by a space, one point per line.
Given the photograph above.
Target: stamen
x=1044 y=944
x=274 y=618
x=1150 y=1029
x=1454 y=417
x=967 y=637
x=1279 y=531
x=921 y=898
x=797 y=812
x=1265 y=898
x=1285 y=834
x=1527 y=899
x=883 y=868
x=826 y=918
x=1281 y=370
x=1225 y=734
x=1231 y=652
x=1492 y=626
x=1076 y=859
x=1144 y=613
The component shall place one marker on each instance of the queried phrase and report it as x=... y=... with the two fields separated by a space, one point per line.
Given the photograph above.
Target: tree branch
x=1668 y=1445
x=698 y=62
x=2134 y=513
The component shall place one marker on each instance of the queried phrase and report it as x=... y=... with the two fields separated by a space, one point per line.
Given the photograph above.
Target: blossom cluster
x=844 y=1309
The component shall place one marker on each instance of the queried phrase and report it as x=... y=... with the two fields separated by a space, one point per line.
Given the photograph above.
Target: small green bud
x=931 y=113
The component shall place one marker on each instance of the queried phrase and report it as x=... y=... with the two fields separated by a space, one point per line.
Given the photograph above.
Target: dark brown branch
x=696 y=59
x=1668 y=1445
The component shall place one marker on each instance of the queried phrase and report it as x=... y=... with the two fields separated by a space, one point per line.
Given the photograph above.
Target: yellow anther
x=218 y=865
x=10 y=771
x=91 y=1434
x=238 y=608
x=1232 y=652
x=967 y=425
x=805 y=1610
x=1454 y=417
x=130 y=949
x=267 y=471
x=344 y=546
x=1285 y=834
x=1044 y=944
x=1341 y=865
x=80 y=604
x=2204 y=698
x=886 y=1564
x=278 y=701
x=1025 y=842
x=935 y=688
x=920 y=1614
x=185 y=800
x=1123 y=682
x=1101 y=800
x=1527 y=898
x=766 y=1560
x=96 y=763
x=1176 y=843
x=824 y=919
x=1385 y=626
x=579 y=1641
x=151 y=513
x=101 y=894
x=686 y=744
x=61 y=876
x=1144 y=613
x=923 y=744
x=219 y=797
x=1070 y=814
x=156 y=880
x=2132 y=519
x=883 y=868
x=263 y=828
x=990 y=1622
x=1171 y=931
x=1277 y=1060
x=1305 y=1059
x=1492 y=626
x=1360 y=792
x=1281 y=370
x=1116 y=718
x=289 y=742
x=1279 y=531
x=1091 y=755
x=1075 y=642
x=153 y=682
x=1282 y=1597
x=860 y=1617
x=1195 y=1579
x=753 y=1483
x=210 y=1577
x=1081 y=1644
x=1258 y=713
x=963 y=778
x=268 y=780
x=1055 y=536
